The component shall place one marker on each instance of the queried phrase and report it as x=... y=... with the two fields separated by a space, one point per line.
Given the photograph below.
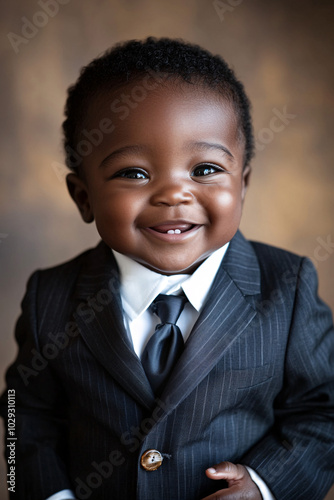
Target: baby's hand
x=240 y=484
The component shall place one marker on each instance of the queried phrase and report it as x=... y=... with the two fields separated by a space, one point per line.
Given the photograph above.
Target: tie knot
x=168 y=307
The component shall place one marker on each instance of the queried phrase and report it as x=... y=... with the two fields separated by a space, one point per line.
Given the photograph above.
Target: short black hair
x=126 y=62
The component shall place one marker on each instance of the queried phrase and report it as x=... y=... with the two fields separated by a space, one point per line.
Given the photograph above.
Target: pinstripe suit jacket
x=254 y=384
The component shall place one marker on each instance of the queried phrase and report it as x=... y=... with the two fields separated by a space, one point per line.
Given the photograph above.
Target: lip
x=187 y=228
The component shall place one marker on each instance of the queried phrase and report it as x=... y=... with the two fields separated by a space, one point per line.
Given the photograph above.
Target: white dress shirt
x=139 y=287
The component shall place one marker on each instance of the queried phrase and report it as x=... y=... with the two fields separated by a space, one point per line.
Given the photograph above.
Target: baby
x=148 y=367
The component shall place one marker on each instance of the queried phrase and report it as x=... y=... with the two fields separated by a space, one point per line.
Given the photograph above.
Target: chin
x=172 y=269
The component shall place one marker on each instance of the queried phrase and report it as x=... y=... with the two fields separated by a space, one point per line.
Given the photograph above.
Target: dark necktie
x=166 y=344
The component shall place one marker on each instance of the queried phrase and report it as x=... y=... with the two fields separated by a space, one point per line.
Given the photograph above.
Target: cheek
x=107 y=206
x=115 y=216
x=225 y=205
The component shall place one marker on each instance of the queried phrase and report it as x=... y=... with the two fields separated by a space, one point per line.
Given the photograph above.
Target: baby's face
x=166 y=187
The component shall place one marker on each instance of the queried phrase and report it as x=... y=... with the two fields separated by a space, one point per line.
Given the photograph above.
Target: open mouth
x=173 y=231
x=173 y=228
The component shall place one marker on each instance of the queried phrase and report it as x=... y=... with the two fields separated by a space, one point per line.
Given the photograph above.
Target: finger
x=240 y=484
x=226 y=470
x=215 y=496
x=226 y=494
x=237 y=492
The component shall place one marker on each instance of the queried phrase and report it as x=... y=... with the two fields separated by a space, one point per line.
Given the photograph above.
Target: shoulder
x=275 y=259
x=268 y=258
x=66 y=273
x=287 y=265
x=280 y=268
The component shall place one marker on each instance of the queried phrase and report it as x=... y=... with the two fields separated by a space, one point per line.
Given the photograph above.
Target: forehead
x=165 y=113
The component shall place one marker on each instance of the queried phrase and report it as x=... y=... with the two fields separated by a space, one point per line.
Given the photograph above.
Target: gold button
x=151 y=460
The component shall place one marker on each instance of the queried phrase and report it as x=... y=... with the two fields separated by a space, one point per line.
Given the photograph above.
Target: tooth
x=171 y=231
x=178 y=231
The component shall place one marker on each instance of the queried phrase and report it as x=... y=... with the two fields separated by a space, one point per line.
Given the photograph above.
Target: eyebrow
x=207 y=146
x=125 y=151
x=134 y=149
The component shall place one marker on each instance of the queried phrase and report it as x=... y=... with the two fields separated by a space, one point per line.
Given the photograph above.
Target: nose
x=171 y=194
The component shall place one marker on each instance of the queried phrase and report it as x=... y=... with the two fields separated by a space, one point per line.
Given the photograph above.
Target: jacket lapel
x=225 y=316
x=100 y=321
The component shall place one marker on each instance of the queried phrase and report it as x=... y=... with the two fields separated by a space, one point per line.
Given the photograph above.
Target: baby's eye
x=131 y=173
x=205 y=169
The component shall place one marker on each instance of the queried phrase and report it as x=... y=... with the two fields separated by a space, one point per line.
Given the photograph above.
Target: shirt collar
x=140 y=286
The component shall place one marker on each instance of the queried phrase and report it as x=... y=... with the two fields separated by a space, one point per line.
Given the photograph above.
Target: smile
x=173 y=227
x=173 y=230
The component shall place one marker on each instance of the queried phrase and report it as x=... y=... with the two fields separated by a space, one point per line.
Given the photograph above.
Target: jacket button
x=151 y=460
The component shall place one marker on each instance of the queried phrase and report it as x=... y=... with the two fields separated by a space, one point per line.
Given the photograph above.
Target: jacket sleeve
x=38 y=442
x=296 y=459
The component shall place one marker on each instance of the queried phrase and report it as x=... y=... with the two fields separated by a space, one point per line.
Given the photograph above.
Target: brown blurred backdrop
x=281 y=50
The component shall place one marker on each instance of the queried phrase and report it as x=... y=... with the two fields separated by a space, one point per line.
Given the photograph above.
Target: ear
x=245 y=180
x=79 y=193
